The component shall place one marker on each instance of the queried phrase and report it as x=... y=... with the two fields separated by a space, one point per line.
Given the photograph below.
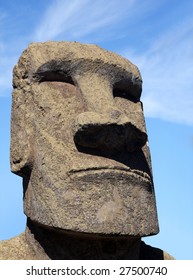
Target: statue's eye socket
x=121 y=93
x=54 y=76
x=53 y=71
x=124 y=93
x=127 y=89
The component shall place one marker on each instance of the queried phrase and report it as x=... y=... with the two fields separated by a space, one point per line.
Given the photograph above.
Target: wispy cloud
x=85 y=20
x=167 y=71
x=73 y=20
x=6 y=69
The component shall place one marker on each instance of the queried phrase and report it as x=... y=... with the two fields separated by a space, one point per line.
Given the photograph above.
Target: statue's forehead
x=69 y=54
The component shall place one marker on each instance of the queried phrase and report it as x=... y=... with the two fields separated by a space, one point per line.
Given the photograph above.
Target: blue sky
x=155 y=35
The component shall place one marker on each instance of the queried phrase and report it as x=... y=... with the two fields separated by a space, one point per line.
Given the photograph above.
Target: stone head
x=79 y=141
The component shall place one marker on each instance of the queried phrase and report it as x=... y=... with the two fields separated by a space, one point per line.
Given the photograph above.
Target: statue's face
x=91 y=168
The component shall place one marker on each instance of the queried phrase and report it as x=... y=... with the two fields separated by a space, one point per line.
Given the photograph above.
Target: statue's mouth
x=113 y=171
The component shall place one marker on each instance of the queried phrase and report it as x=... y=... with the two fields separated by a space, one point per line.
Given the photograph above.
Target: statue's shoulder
x=16 y=248
x=148 y=252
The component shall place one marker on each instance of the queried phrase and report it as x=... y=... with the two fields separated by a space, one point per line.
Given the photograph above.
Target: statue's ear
x=21 y=151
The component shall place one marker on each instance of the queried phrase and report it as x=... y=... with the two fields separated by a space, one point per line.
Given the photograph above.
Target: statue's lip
x=127 y=170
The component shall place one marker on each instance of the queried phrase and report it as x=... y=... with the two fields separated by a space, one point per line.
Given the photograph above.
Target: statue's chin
x=100 y=201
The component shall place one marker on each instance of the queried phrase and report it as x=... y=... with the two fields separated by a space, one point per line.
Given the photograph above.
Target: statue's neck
x=65 y=245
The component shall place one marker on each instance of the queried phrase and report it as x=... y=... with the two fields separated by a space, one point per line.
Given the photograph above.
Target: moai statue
x=78 y=140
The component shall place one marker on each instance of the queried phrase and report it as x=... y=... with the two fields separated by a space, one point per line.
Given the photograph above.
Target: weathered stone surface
x=79 y=141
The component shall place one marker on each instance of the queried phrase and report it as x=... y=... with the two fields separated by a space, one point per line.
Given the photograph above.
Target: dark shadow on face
x=134 y=160
x=150 y=253
x=26 y=180
x=67 y=245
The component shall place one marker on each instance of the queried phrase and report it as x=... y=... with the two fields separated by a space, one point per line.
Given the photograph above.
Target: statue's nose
x=104 y=126
x=109 y=131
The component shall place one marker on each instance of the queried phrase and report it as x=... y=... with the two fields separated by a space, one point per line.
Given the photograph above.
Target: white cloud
x=5 y=62
x=71 y=20
x=6 y=67
x=167 y=71
x=86 y=20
